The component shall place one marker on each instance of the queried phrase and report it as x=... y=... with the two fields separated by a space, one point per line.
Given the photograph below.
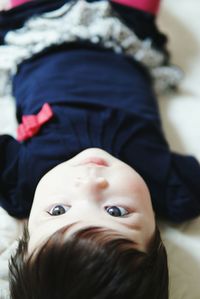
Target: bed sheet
x=181 y=122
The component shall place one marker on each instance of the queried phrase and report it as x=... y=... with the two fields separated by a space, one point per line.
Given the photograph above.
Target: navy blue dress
x=99 y=99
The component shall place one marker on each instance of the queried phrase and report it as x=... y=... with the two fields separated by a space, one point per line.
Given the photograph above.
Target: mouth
x=94 y=160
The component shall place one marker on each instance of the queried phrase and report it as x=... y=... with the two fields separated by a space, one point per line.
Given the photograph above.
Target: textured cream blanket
x=181 y=121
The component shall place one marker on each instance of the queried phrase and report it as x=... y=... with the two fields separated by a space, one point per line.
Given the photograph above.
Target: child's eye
x=116 y=211
x=58 y=210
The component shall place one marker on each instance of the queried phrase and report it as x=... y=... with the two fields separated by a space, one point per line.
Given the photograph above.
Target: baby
x=91 y=166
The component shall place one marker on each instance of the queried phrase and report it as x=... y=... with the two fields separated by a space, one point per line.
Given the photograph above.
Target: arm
x=9 y=148
x=173 y=179
x=183 y=188
x=9 y=153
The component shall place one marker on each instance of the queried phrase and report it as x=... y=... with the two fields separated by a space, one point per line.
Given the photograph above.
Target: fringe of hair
x=94 y=263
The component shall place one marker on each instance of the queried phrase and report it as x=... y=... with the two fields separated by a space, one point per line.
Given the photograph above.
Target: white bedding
x=181 y=121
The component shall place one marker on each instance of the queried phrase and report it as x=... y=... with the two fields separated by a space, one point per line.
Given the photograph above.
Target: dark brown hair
x=94 y=263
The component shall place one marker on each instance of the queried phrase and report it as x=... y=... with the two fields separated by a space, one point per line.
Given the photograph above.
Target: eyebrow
x=67 y=227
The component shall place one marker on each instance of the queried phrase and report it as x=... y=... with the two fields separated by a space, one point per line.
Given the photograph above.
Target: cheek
x=35 y=214
x=32 y=221
x=132 y=183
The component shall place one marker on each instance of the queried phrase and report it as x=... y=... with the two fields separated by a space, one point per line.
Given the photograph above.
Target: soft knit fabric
x=98 y=22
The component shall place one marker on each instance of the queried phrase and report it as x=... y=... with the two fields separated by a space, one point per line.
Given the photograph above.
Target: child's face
x=86 y=190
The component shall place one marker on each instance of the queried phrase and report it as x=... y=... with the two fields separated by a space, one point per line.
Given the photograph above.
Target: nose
x=101 y=183
x=95 y=183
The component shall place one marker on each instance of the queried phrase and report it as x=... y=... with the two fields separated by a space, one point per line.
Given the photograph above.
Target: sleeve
x=173 y=179
x=9 y=156
x=183 y=188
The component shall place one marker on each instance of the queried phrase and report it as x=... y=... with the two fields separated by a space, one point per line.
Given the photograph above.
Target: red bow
x=31 y=124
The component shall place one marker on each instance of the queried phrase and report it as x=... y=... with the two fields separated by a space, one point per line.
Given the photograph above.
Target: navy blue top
x=99 y=99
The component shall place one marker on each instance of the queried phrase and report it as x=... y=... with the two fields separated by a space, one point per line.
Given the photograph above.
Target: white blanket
x=181 y=122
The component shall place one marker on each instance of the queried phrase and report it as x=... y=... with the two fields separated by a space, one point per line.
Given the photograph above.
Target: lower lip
x=94 y=160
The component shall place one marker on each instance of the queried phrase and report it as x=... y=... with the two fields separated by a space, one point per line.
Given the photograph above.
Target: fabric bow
x=31 y=124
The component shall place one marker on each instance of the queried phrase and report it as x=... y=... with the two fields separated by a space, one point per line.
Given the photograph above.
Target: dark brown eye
x=58 y=210
x=116 y=211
